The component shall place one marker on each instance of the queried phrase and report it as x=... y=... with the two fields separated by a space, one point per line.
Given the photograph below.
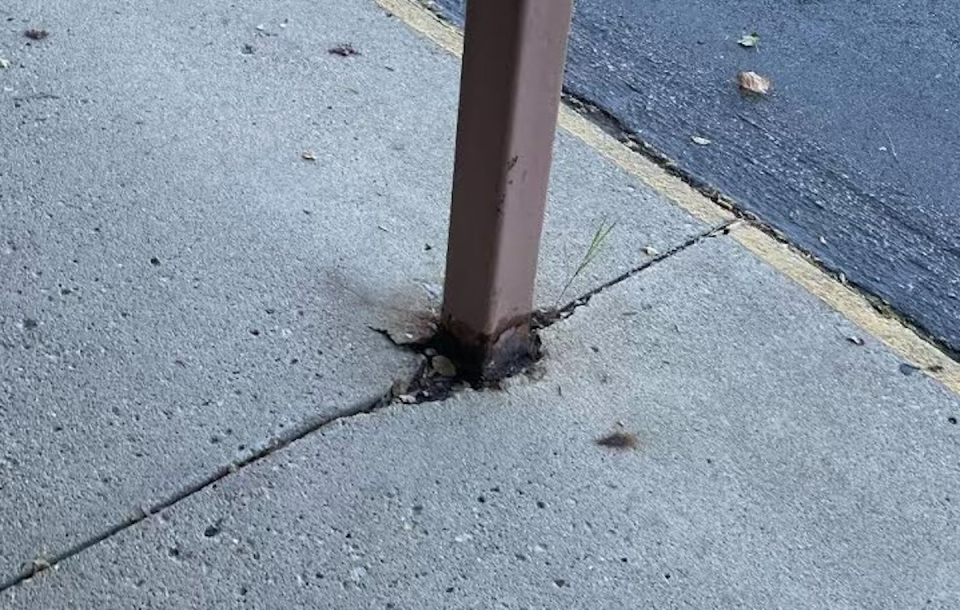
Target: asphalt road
x=854 y=153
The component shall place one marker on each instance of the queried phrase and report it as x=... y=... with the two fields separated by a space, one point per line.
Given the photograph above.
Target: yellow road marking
x=899 y=338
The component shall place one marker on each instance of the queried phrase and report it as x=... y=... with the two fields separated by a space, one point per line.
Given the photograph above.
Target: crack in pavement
x=545 y=318
x=440 y=375
x=424 y=385
x=39 y=565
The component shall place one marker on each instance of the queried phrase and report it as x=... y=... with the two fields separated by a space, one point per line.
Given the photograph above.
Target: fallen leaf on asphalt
x=444 y=366
x=618 y=440
x=309 y=156
x=4 y=63
x=344 y=50
x=701 y=141
x=754 y=83
x=749 y=40
x=34 y=34
x=650 y=251
x=855 y=340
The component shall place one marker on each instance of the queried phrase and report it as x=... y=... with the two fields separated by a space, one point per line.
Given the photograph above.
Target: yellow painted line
x=902 y=340
x=648 y=172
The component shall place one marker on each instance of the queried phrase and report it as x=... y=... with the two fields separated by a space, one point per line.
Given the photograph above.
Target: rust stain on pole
x=514 y=52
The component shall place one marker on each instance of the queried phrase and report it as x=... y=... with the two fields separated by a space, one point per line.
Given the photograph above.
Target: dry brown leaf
x=618 y=440
x=344 y=50
x=754 y=83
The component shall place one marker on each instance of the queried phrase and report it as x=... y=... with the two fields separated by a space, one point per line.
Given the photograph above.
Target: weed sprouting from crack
x=544 y=318
x=436 y=378
x=596 y=244
x=439 y=376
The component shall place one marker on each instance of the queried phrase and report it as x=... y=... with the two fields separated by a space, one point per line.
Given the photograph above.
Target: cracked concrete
x=443 y=389
x=188 y=378
x=768 y=448
x=180 y=286
x=545 y=318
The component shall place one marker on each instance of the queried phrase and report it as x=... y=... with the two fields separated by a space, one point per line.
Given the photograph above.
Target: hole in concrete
x=448 y=367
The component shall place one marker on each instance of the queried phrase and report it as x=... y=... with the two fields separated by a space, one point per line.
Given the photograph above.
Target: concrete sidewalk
x=182 y=289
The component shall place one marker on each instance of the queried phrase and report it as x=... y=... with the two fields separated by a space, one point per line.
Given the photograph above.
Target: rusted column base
x=485 y=359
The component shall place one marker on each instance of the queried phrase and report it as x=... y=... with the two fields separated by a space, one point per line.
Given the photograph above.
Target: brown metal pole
x=513 y=58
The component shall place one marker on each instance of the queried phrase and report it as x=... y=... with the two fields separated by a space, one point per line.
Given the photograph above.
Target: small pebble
x=444 y=366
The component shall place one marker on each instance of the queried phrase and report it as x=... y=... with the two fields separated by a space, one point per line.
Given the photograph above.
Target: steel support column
x=513 y=59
